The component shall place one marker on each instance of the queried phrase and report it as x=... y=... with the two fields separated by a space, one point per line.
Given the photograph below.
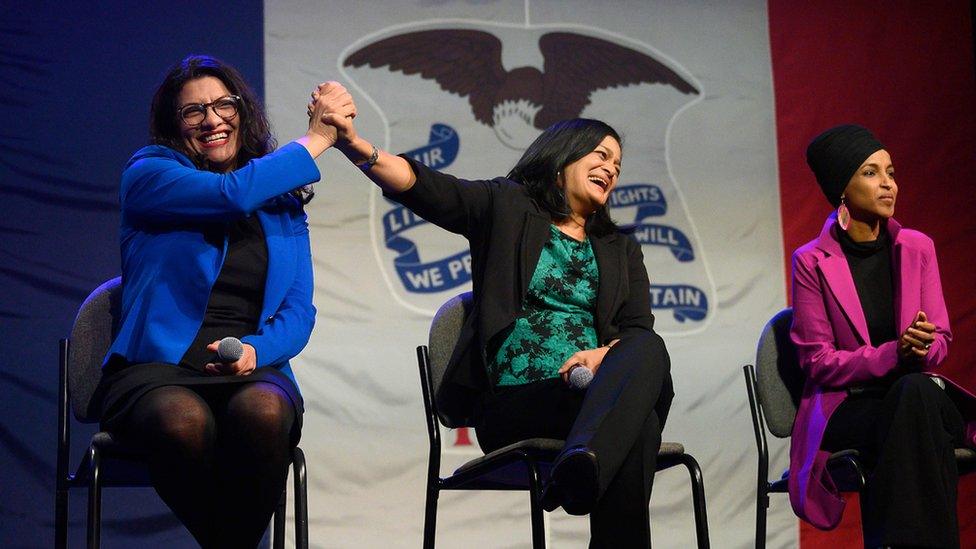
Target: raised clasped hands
x=242 y=367
x=915 y=342
x=331 y=111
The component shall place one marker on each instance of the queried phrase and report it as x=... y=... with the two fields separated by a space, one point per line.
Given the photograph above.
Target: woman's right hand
x=331 y=112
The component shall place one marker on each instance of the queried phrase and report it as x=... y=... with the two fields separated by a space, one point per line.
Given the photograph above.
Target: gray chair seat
x=966 y=460
x=514 y=472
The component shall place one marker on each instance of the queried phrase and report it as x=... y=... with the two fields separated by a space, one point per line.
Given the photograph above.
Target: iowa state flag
x=716 y=104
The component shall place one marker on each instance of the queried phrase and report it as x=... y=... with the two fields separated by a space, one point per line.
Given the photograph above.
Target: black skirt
x=123 y=385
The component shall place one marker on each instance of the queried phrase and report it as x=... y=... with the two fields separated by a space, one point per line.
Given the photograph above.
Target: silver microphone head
x=580 y=377
x=230 y=349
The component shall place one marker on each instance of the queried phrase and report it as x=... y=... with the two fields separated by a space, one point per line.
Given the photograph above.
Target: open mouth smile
x=214 y=139
x=603 y=184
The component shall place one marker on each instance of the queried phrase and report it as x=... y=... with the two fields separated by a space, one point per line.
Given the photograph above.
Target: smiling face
x=871 y=192
x=215 y=138
x=588 y=181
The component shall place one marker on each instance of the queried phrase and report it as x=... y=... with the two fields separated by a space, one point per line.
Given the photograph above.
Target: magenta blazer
x=834 y=350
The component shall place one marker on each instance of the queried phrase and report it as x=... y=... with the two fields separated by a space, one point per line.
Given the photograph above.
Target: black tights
x=220 y=464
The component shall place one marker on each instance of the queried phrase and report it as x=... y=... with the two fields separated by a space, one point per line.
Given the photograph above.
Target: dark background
x=76 y=79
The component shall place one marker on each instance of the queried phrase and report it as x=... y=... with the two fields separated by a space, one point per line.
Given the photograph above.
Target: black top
x=235 y=300
x=870 y=264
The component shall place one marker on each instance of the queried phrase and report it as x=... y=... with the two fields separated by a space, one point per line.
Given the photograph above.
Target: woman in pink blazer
x=870 y=327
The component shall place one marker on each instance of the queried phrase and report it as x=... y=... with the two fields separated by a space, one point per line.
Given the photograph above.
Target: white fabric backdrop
x=711 y=155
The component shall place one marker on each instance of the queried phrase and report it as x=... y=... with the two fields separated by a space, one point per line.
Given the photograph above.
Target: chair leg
x=535 y=505
x=698 y=499
x=61 y=517
x=301 y=497
x=278 y=522
x=762 y=505
x=94 y=498
x=430 y=513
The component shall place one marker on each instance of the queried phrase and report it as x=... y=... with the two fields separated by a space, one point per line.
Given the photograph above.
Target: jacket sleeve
x=813 y=336
x=635 y=313
x=160 y=185
x=285 y=333
x=453 y=204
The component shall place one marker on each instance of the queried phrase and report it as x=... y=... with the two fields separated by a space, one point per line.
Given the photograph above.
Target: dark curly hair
x=558 y=146
x=254 y=130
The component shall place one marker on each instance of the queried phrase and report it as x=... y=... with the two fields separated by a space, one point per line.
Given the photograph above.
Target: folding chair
x=774 y=385
x=524 y=465
x=109 y=462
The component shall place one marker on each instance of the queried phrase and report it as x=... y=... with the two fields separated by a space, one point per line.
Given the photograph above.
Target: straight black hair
x=558 y=146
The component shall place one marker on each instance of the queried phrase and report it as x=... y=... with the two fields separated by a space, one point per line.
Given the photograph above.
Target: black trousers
x=619 y=418
x=906 y=434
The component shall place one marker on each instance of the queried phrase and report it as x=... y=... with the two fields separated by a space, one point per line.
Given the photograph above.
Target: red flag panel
x=906 y=71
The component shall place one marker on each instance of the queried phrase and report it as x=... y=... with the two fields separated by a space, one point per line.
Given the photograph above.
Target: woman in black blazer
x=557 y=286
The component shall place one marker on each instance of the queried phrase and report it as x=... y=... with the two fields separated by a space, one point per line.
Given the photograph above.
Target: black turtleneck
x=870 y=264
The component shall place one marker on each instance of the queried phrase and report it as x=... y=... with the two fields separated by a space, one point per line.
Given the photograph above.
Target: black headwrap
x=836 y=154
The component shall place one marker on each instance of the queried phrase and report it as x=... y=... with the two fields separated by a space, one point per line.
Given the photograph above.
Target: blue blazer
x=169 y=267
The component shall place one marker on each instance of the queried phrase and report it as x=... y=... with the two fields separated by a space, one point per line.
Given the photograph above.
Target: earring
x=843 y=215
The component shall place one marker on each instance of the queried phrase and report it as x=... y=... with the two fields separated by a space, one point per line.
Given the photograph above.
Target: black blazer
x=507 y=230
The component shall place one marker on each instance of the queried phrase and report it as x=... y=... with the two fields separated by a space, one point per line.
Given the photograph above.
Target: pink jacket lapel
x=837 y=274
x=904 y=264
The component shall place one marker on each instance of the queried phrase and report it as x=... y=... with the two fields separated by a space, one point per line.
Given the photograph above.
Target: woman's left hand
x=590 y=359
x=244 y=365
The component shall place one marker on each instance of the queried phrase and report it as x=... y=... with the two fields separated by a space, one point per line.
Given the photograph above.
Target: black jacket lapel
x=535 y=234
x=611 y=263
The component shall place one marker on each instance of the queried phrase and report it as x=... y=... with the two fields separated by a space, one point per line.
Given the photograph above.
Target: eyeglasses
x=195 y=113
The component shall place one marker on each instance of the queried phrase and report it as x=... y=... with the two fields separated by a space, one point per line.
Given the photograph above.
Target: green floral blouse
x=556 y=318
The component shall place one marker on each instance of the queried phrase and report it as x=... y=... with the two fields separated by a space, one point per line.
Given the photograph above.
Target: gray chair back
x=445 y=330
x=91 y=336
x=778 y=374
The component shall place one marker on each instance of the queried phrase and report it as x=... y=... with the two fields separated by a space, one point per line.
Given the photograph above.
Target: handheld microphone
x=230 y=349
x=580 y=377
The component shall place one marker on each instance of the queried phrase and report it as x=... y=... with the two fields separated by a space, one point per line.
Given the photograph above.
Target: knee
x=918 y=395
x=184 y=426
x=261 y=410
x=648 y=348
x=918 y=386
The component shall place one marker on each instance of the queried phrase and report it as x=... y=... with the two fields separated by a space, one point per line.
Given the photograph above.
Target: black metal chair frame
x=845 y=467
x=109 y=463
x=536 y=455
x=842 y=465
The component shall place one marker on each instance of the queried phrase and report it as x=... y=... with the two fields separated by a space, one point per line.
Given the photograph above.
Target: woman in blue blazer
x=556 y=286
x=214 y=243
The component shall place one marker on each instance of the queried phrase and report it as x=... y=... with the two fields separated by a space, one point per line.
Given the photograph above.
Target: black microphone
x=580 y=377
x=230 y=349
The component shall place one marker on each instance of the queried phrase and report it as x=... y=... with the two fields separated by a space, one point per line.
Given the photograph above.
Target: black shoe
x=574 y=483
